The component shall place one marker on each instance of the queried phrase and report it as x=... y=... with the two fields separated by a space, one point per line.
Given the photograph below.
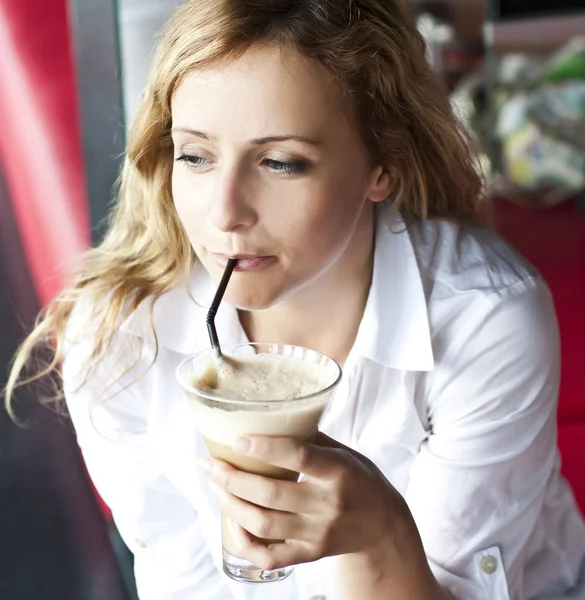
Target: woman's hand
x=343 y=505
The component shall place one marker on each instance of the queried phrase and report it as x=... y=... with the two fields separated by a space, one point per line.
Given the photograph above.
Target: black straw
x=210 y=319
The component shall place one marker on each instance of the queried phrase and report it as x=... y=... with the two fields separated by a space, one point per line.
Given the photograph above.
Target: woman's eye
x=276 y=166
x=192 y=160
x=289 y=167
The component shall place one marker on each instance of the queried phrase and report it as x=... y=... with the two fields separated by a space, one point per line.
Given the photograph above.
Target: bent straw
x=210 y=319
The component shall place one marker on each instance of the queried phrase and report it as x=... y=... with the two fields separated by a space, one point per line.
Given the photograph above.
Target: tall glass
x=222 y=420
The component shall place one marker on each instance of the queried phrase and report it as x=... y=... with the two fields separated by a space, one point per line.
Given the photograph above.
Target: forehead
x=268 y=86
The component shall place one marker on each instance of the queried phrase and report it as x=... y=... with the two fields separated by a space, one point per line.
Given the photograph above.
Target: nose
x=231 y=206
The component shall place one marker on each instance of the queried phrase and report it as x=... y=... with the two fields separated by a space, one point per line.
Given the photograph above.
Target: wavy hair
x=402 y=108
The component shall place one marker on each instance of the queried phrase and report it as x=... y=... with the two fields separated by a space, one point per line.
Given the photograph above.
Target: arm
x=159 y=526
x=479 y=482
x=383 y=572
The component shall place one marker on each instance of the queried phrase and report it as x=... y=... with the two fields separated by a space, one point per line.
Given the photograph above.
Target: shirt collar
x=394 y=331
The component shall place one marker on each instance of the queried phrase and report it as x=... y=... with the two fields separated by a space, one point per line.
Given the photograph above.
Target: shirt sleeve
x=479 y=482
x=156 y=522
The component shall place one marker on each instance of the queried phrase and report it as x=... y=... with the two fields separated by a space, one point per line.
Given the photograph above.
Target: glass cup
x=222 y=420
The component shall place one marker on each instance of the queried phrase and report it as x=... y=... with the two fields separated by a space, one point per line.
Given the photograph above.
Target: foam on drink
x=261 y=378
x=265 y=377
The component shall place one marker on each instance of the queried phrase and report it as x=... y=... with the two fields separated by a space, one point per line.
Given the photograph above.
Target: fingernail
x=242 y=445
x=214 y=487
x=206 y=465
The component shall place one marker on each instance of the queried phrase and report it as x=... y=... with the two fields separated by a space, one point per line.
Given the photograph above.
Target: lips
x=246 y=262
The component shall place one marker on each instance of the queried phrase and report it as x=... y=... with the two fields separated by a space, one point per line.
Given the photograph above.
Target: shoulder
x=100 y=367
x=127 y=375
x=488 y=307
x=493 y=330
x=455 y=259
x=126 y=393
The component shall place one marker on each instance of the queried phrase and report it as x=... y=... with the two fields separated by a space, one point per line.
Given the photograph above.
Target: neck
x=326 y=315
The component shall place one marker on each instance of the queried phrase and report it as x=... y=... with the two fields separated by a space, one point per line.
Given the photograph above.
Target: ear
x=382 y=182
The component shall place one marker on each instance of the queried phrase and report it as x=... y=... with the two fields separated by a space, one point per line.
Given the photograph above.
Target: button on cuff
x=489 y=564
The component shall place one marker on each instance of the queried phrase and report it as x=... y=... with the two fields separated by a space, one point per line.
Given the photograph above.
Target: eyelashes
x=190 y=160
x=290 y=167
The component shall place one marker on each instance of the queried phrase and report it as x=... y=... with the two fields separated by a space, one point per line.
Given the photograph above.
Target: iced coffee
x=257 y=389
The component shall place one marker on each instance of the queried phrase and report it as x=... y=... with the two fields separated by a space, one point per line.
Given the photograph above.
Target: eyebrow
x=256 y=141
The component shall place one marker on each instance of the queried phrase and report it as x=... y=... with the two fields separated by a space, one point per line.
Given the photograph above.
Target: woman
x=311 y=141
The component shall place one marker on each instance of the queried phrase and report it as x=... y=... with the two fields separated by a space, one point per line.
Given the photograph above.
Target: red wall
x=40 y=143
x=40 y=150
x=554 y=241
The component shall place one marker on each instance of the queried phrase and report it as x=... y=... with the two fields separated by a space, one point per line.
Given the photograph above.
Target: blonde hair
x=404 y=114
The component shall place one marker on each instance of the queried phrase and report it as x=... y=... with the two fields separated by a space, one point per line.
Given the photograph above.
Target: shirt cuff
x=484 y=578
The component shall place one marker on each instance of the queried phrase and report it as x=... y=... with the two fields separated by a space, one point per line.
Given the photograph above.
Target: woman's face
x=270 y=168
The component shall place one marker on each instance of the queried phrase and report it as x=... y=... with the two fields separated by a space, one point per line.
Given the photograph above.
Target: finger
x=261 y=522
x=288 y=453
x=271 y=556
x=286 y=496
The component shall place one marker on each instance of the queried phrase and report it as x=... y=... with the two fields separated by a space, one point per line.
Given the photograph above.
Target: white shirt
x=450 y=388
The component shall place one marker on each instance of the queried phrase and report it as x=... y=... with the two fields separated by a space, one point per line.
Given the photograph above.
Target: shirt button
x=489 y=564
x=318 y=597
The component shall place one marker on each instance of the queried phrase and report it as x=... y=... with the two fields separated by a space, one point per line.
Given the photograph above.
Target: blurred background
x=71 y=74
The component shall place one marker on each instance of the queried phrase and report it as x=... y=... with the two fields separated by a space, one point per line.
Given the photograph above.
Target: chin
x=256 y=299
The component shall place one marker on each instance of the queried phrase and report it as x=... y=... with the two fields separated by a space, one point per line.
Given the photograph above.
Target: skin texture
x=309 y=208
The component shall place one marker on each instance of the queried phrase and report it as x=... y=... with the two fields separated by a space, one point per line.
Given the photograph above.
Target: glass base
x=243 y=571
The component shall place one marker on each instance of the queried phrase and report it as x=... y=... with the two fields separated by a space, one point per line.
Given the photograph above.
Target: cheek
x=328 y=238
x=187 y=208
x=178 y=191
x=316 y=240
x=329 y=219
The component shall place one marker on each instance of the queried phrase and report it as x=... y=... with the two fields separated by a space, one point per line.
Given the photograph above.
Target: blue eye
x=191 y=160
x=288 y=167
